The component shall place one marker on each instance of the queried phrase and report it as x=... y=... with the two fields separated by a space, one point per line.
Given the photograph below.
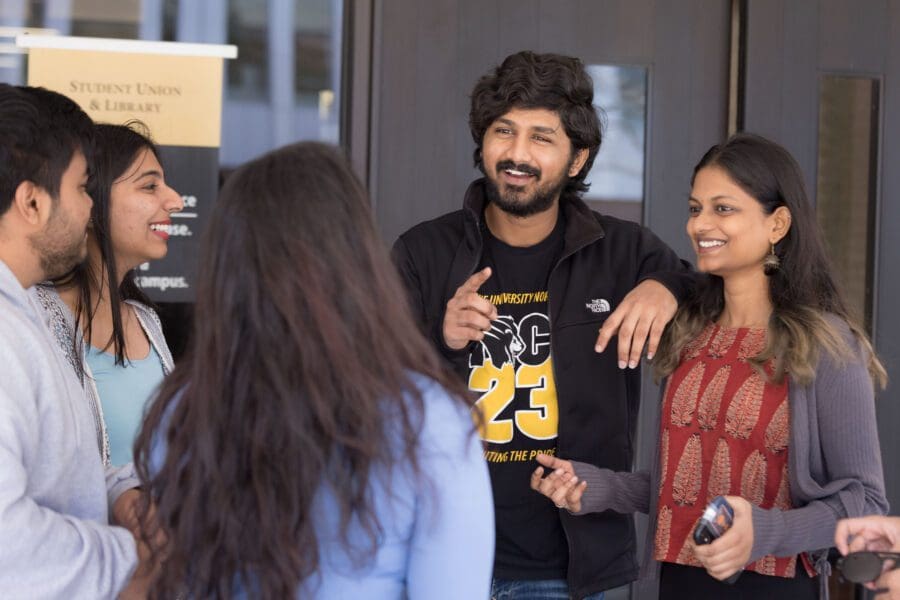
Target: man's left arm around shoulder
x=663 y=282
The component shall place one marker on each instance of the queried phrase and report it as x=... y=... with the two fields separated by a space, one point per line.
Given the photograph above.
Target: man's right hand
x=468 y=315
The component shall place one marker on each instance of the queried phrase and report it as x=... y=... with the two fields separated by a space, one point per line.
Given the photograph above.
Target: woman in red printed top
x=768 y=398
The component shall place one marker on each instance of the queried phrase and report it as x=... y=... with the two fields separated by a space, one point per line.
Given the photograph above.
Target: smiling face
x=140 y=205
x=528 y=158
x=730 y=231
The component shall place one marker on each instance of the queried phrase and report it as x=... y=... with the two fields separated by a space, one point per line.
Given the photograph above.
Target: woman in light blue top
x=102 y=320
x=310 y=443
x=124 y=390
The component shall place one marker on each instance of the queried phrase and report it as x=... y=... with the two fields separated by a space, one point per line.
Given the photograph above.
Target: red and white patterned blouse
x=724 y=431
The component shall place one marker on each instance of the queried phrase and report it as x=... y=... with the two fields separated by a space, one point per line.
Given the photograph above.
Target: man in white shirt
x=55 y=537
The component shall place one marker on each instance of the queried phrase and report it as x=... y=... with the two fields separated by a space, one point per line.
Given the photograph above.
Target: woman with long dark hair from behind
x=769 y=399
x=307 y=444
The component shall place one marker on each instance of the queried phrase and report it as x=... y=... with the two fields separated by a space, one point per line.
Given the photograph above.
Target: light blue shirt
x=124 y=393
x=438 y=537
x=438 y=541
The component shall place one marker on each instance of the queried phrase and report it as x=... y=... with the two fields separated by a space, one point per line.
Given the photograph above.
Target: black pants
x=677 y=582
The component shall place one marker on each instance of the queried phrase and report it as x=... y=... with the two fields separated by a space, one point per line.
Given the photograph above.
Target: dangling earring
x=771 y=263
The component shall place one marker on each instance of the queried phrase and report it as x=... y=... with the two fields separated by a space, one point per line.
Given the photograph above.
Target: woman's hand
x=125 y=511
x=730 y=553
x=561 y=486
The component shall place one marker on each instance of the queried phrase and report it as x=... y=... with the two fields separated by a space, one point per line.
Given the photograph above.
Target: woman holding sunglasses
x=768 y=399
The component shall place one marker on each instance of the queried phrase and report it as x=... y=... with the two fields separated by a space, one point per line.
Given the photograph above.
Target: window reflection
x=617 y=177
x=283 y=87
x=95 y=18
x=248 y=74
x=846 y=182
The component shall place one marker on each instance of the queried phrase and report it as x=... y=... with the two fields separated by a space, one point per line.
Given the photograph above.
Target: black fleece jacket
x=603 y=258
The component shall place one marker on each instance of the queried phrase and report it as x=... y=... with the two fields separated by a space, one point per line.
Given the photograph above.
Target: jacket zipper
x=558 y=411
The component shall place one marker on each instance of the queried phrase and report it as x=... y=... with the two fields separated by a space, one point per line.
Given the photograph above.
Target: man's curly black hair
x=548 y=81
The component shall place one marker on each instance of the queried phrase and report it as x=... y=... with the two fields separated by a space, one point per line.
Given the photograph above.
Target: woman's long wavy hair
x=116 y=147
x=300 y=374
x=805 y=297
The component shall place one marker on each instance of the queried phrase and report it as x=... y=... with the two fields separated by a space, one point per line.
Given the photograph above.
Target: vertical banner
x=175 y=89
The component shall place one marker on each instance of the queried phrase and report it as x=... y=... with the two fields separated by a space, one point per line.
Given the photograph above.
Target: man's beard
x=514 y=201
x=58 y=249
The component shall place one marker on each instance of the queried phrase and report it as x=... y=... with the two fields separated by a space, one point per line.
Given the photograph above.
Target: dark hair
x=116 y=147
x=548 y=81
x=300 y=373
x=40 y=131
x=803 y=290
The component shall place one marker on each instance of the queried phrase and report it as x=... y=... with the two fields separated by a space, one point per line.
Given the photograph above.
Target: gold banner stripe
x=178 y=97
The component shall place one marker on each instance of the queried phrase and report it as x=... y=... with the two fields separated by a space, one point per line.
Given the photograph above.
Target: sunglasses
x=863 y=567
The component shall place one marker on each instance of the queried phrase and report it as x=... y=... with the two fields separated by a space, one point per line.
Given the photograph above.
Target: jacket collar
x=582 y=226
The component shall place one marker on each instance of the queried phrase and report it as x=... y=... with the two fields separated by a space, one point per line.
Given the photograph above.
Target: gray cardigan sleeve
x=623 y=492
x=839 y=421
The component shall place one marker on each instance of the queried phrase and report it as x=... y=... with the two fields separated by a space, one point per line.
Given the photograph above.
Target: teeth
x=710 y=243
x=159 y=227
x=515 y=173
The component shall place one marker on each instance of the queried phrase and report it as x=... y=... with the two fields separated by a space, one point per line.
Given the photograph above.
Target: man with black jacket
x=513 y=288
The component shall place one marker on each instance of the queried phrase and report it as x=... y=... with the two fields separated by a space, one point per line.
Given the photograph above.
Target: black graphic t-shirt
x=511 y=371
